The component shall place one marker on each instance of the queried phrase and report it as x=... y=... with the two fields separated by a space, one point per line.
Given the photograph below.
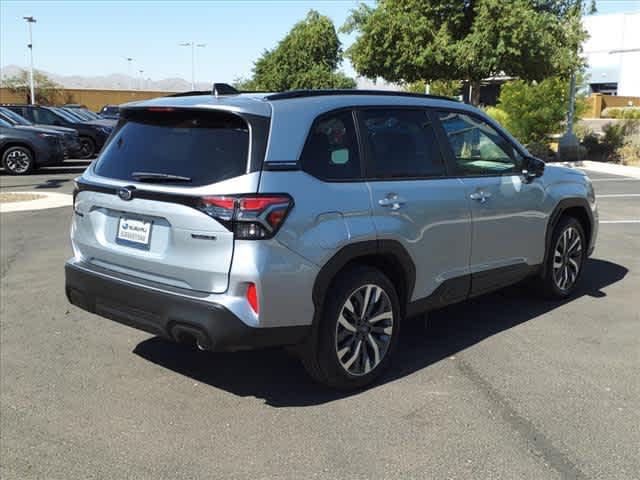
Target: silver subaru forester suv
x=316 y=219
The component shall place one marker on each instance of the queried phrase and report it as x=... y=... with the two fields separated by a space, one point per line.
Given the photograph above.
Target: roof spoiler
x=217 y=90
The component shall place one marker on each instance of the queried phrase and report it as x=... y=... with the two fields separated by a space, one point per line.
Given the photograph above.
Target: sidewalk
x=40 y=201
x=604 y=167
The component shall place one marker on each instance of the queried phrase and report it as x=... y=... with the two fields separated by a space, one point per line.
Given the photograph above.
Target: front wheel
x=18 y=160
x=565 y=259
x=357 y=332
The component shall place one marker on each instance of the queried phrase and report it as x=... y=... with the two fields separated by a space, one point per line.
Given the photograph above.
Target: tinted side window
x=401 y=143
x=25 y=112
x=44 y=116
x=331 y=150
x=478 y=148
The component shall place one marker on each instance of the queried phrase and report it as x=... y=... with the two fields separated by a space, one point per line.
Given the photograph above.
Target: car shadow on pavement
x=69 y=166
x=279 y=378
x=52 y=183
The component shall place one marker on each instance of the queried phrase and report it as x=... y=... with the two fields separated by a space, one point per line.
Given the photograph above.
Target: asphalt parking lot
x=505 y=386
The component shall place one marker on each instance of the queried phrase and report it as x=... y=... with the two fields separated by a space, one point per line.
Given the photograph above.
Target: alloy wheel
x=86 y=148
x=364 y=330
x=18 y=161
x=567 y=259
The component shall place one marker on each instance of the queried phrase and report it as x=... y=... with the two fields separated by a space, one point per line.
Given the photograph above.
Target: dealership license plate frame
x=139 y=244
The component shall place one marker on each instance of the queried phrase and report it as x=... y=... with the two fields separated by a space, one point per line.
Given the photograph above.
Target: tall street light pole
x=129 y=60
x=30 y=21
x=193 y=46
x=568 y=144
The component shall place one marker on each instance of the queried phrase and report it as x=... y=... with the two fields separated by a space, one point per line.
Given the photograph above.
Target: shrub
x=535 y=110
x=620 y=142
x=629 y=152
x=629 y=113
x=498 y=115
x=613 y=135
x=542 y=151
x=582 y=131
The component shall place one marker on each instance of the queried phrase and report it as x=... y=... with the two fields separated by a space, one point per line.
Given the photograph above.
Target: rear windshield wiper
x=159 y=177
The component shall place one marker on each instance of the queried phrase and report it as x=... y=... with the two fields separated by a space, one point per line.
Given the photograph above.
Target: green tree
x=412 y=40
x=46 y=91
x=533 y=110
x=307 y=57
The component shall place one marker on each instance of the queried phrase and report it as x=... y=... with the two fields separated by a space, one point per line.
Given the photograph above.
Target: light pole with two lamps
x=193 y=46
x=30 y=21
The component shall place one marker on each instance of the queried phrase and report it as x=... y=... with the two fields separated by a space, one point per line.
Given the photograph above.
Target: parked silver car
x=321 y=219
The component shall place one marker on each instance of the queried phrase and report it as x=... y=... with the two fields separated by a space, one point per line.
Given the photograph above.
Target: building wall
x=93 y=99
x=597 y=103
x=607 y=51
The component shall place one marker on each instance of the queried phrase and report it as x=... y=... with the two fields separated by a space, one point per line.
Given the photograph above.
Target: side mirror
x=533 y=168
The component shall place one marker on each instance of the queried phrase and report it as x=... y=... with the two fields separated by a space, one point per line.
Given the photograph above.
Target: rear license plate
x=135 y=233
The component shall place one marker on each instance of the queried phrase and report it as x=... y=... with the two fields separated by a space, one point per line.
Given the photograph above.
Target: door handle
x=480 y=196
x=392 y=201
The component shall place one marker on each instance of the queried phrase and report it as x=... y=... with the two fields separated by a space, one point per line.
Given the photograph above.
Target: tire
x=565 y=260
x=347 y=351
x=87 y=148
x=18 y=160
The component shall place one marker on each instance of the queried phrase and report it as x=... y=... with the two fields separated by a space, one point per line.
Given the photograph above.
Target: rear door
x=133 y=220
x=509 y=223
x=414 y=201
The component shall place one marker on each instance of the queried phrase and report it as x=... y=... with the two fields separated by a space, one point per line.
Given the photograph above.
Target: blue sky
x=95 y=37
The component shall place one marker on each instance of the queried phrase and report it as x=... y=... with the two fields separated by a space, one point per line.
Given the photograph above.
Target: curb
x=604 y=167
x=51 y=200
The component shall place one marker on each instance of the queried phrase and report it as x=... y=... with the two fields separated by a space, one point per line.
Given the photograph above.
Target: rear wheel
x=357 y=332
x=87 y=147
x=18 y=160
x=565 y=259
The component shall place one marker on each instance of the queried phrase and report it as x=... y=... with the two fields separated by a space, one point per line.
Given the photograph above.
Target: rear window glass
x=204 y=147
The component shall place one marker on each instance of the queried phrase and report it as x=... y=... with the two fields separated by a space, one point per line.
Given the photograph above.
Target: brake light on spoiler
x=250 y=217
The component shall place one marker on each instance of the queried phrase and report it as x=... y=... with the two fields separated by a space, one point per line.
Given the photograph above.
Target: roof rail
x=328 y=92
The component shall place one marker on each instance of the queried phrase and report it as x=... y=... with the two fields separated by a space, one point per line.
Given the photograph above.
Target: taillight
x=250 y=217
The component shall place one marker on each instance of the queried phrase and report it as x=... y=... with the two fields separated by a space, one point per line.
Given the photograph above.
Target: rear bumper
x=170 y=314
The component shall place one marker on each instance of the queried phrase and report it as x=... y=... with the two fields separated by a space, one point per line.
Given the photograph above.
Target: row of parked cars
x=33 y=136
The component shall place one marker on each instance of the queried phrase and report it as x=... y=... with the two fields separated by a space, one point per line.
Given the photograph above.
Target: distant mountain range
x=119 y=81
x=115 y=81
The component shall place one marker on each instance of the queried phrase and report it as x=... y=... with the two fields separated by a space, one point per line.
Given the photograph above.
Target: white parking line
x=619 y=221
x=618 y=195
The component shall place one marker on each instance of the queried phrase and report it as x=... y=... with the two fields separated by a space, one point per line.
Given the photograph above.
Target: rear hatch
x=139 y=208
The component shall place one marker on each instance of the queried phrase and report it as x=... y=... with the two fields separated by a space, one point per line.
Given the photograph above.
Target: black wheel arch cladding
x=387 y=255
